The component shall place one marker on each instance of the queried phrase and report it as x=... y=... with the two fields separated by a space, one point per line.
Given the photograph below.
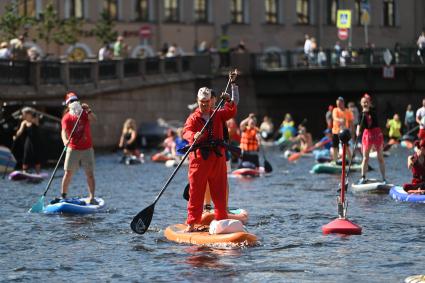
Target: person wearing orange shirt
x=342 y=118
x=250 y=141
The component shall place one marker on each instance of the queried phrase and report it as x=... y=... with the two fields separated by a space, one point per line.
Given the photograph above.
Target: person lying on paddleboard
x=342 y=118
x=416 y=163
x=249 y=141
x=29 y=131
x=128 y=140
x=80 y=149
x=207 y=162
x=372 y=138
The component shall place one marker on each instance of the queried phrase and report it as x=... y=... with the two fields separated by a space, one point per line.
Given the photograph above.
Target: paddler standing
x=207 y=163
x=372 y=138
x=342 y=118
x=80 y=149
x=249 y=141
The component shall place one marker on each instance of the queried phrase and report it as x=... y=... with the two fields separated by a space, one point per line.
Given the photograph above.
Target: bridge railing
x=294 y=59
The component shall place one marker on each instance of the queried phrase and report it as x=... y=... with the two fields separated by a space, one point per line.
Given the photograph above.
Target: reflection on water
x=287 y=211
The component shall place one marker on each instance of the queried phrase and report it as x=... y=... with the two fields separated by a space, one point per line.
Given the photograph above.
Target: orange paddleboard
x=176 y=233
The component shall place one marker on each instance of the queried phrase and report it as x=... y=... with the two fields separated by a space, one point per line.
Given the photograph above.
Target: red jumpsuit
x=213 y=169
x=418 y=171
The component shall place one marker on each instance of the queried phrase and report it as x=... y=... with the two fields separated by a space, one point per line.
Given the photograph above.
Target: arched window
x=201 y=11
x=303 y=12
x=272 y=11
x=237 y=11
x=142 y=10
x=111 y=7
x=171 y=10
x=77 y=9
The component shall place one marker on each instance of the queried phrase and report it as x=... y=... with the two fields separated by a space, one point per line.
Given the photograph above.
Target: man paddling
x=80 y=149
x=207 y=163
x=342 y=118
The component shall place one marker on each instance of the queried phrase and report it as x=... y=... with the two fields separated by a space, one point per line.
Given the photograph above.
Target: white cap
x=204 y=93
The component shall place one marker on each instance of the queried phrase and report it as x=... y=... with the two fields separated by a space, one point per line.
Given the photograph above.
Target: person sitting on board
x=250 y=144
x=207 y=162
x=169 y=144
x=80 y=149
x=303 y=141
x=416 y=163
x=287 y=131
x=129 y=139
x=394 y=126
x=420 y=119
x=266 y=128
x=29 y=131
x=372 y=138
x=322 y=148
x=342 y=118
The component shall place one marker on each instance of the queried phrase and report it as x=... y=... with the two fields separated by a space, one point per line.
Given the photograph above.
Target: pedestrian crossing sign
x=343 y=19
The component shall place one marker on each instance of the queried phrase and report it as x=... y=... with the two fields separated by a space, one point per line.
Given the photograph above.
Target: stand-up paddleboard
x=75 y=206
x=20 y=176
x=176 y=233
x=371 y=186
x=374 y=154
x=415 y=279
x=407 y=144
x=332 y=168
x=131 y=160
x=7 y=160
x=398 y=193
x=248 y=172
x=233 y=213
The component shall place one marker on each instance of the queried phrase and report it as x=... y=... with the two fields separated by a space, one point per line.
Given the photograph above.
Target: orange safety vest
x=249 y=140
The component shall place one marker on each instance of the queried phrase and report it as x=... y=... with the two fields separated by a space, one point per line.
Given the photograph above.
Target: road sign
x=223 y=44
x=343 y=33
x=365 y=18
x=145 y=31
x=364 y=5
x=343 y=19
x=388 y=72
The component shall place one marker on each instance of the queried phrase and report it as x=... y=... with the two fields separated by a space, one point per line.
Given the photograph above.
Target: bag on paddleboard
x=226 y=226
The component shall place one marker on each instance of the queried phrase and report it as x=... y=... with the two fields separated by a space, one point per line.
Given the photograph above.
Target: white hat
x=204 y=93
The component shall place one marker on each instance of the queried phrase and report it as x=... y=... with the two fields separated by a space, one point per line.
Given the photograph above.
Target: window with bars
x=303 y=12
x=77 y=9
x=237 y=11
x=26 y=8
x=111 y=7
x=332 y=7
x=171 y=10
x=142 y=10
x=389 y=13
x=201 y=11
x=272 y=11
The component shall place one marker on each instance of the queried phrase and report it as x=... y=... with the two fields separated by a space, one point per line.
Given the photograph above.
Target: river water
x=286 y=210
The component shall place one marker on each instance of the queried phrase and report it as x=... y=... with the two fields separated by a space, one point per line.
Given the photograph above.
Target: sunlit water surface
x=286 y=211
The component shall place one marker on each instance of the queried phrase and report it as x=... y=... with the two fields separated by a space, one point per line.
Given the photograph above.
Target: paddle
x=39 y=205
x=267 y=166
x=295 y=156
x=142 y=220
x=354 y=151
x=410 y=131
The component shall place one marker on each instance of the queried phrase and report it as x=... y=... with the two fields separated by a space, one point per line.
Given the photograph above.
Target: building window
x=142 y=10
x=303 y=12
x=111 y=7
x=272 y=11
x=389 y=13
x=201 y=11
x=171 y=10
x=26 y=8
x=77 y=9
x=358 y=12
x=332 y=7
x=237 y=10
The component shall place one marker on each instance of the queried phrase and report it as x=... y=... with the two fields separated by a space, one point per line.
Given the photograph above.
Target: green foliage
x=69 y=32
x=104 y=28
x=11 y=24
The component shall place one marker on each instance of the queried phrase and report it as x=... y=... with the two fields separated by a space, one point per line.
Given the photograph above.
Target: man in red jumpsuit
x=207 y=162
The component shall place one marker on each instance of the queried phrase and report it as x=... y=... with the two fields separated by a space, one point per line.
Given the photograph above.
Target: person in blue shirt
x=322 y=150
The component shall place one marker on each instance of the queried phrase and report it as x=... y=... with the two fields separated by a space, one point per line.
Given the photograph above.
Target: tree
x=48 y=26
x=104 y=28
x=11 y=23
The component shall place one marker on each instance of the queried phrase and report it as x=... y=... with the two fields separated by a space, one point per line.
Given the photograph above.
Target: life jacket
x=249 y=140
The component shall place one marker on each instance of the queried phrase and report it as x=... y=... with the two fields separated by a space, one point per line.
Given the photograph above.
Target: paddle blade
x=294 y=156
x=267 y=167
x=186 y=194
x=142 y=220
x=38 y=206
